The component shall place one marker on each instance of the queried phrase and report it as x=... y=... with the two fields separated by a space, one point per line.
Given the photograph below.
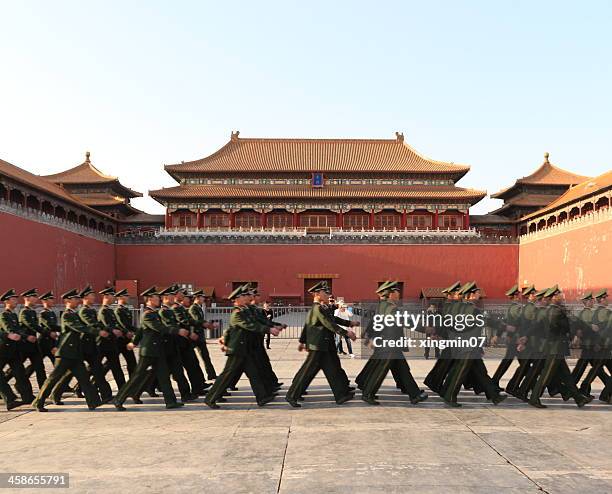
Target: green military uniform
x=124 y=318
x=439 y=372
x=186 y=349
x=91 y=354
x=108 y=346
x=468 y=363
x=9 y=355
x=240 y=356
x=69 y=358
x=196 y=312
x=150 y=338
x=512 y=329
x=606 y=394
x=386 y=359
x=584 y=329
x=555 y=349
x=319 y=340
x=48 y=322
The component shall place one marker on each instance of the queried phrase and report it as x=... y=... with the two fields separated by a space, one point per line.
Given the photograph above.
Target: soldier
x=600 y=351
x=108 y=346
x=123 y=314
x=50 y=329
x=318 y=339
x=240 y=357
x=196 y=312
x=189 y=360
x=584 y=335
x=468 y=361
x=390 y=358
x=555 y=350
x=11 y=333
x=69 y=355
x=170 y=340
x=91 y=355
x=149 y=337
x=437 y=375
x=511 y=329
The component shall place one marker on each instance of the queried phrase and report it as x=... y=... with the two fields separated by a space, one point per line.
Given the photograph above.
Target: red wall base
x=277 y=268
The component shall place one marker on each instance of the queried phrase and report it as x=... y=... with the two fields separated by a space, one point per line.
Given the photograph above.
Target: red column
x=203 y=219
x=371 y=225
x=295 y=220
x=232 y=219
x=435 y=220
x=403 y=221
x=466 y=220
x=263 y=219
x=198 y=219
x=340 y=220
x=168 y=222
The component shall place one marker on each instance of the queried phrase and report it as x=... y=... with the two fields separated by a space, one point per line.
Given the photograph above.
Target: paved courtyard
x=321 y=447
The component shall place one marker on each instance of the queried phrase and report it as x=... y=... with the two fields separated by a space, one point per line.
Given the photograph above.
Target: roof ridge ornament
x=235 y=135
x=87 y=155
x=546 y=155
x=399 y=136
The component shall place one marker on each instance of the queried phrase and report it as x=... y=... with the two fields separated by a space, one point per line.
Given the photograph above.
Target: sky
x=140 y=84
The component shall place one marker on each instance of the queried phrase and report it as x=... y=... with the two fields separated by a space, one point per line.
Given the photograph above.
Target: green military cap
x=107 y=291
x=170 y=290
x=529 y=289
x=464 y=289
x=32 y=292
x=603 y=293
x=553 y=290
x=384 y=286
x=123 y=292
x=393 y=286
x=587 y=296
x=316 y=287
x=453 y=288
x=241 y=290
x=541 y=292
x=74 y=293
x=149 y=292
x=198 y=293
x=86 y=291
x=47 y=296
x=10 y=293
x=469 y=288
x=512 y=291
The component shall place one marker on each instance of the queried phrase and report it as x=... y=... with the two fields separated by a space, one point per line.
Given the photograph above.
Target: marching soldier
x=91 y=355
x=437 y=375
x=318 y=339
x=196 y=312
x=11 y=334
x=123 y=314
x=511 y=329
x=190 y=362
x=556 y=349
x=468 y=361
x=69 y=356
x=239 y=350
x=386 y=359
x=149 y=337
x=108 y=346
x=584 y=334
x=28 y=318
x=170 y=340
x=50 y=329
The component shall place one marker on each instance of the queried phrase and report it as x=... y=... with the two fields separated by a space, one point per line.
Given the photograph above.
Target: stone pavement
x=356 y=448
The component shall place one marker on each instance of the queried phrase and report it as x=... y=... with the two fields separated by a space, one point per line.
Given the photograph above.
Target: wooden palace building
x=317 y=184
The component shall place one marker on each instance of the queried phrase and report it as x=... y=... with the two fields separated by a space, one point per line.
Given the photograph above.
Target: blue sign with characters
x=317 y=180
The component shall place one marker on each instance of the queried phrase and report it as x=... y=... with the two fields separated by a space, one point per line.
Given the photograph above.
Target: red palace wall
x=578 y=260
x=37 y=255
x=359 y=267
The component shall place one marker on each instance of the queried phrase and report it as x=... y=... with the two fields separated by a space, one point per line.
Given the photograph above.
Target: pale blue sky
x=140 y=84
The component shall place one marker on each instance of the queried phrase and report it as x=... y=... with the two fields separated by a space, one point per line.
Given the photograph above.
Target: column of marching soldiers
x=87 y=343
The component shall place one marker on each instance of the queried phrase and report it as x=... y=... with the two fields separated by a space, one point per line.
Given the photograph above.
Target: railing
x=581 y=221
x=308 y=235
x=52 y=220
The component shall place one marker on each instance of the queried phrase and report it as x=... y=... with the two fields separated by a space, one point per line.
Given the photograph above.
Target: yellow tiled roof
x=316 y=155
